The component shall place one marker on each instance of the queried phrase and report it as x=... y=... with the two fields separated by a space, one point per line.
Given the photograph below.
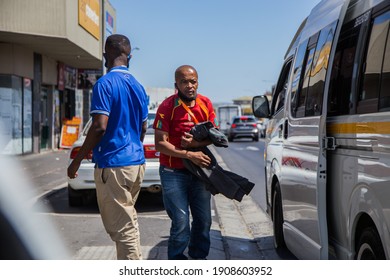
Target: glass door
x=44 y=119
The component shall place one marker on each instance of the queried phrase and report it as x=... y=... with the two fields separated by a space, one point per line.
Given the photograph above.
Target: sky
x=237 y=46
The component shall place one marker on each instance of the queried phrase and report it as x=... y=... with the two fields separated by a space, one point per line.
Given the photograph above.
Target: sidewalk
x=240 y=230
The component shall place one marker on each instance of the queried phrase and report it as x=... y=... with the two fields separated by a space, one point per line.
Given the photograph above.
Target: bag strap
x=201 y=105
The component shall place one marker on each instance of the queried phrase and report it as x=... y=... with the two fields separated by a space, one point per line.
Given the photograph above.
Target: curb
x=37 y=197
x=245 y=228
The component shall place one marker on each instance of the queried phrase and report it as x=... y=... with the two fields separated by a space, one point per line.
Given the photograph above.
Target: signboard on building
x=87 y=78
x=70 y=77
x=109 y=24
x=67 y=77
x=61 y=76
x=69 y=132
x=89 y=11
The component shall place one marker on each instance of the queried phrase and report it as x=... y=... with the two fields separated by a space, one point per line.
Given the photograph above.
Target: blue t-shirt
x=121 y=97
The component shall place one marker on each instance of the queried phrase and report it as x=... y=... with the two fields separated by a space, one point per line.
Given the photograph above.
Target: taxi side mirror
x=260 y=106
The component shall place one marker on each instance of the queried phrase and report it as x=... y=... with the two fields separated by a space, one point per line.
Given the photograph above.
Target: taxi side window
x=360 y=76
x=374 y=95
x=341 y=97
x=310 y=72
x=279 y=97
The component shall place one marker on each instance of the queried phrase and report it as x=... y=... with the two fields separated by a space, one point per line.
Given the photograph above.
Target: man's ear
x=176 y=86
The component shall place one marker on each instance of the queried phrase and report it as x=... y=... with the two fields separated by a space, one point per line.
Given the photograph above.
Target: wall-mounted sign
x=61 y=76
x=70 y=132
x=89 y=16
x=109 y=23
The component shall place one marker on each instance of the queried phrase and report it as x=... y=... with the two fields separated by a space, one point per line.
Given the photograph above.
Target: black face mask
x=105 y=60
x=183 y=97
x=128 y=60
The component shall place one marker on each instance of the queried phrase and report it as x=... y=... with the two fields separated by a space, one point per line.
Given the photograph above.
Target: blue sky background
x=237 y=46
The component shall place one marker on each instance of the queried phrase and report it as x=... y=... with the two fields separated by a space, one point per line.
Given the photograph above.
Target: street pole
x=103 y=36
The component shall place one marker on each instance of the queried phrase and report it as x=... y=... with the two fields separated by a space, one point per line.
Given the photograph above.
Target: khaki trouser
x=117 y=191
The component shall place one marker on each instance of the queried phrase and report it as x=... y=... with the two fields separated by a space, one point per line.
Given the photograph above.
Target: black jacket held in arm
x=218 y=180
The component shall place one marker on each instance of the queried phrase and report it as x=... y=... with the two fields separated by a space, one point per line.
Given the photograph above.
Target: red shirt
x=173 y=118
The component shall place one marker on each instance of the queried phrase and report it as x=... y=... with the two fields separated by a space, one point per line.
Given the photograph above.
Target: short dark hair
x=118 y=44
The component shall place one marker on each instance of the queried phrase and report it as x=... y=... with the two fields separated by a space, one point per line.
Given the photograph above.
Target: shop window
x=11 y=103
x=27 y=116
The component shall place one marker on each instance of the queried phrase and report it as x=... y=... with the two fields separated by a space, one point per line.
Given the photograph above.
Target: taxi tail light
x=254 y=125
x=150 y=151
x=234 y=125
x=75 y=151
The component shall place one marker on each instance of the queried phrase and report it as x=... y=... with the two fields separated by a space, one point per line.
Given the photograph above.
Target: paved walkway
x=240 y=230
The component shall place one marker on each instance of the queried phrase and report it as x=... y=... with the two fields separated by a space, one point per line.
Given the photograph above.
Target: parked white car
x=83 y=186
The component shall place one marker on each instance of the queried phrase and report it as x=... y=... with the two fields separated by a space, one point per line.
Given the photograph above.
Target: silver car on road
x=243 y=127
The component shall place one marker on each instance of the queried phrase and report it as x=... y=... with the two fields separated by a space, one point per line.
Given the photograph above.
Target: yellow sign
x=89 y=16
x=69 y=132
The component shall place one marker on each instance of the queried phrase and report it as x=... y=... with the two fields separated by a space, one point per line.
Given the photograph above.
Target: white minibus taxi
x=328 y=137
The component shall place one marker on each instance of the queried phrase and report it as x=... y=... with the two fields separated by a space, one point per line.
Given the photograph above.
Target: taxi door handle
x=285 y=129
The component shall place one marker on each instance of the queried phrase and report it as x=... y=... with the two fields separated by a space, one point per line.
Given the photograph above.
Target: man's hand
x=199 y=158
x=186 y=140
x=72 y=169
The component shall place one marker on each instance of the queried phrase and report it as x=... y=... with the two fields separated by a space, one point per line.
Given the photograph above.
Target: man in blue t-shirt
x=120 y=112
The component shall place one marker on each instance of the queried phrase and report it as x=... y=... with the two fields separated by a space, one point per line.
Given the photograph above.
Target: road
x=84 y=235
x=246 y=158
x=82 y=229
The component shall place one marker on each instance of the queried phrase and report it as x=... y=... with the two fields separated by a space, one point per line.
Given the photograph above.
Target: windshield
x=151 y=117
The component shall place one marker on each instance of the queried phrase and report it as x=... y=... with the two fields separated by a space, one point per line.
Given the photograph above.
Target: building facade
x=50 y=57
x=157 y=95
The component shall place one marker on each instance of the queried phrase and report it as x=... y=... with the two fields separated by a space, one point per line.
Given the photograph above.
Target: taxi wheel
x=277 y=215
x=370 y=246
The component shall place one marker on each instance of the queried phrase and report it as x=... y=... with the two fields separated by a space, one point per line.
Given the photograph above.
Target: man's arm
x=144 y=128
x=163 y=146
x=188 y=142
x=95 y=134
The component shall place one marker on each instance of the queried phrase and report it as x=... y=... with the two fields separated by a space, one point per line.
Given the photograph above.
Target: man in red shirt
x=182 y=191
